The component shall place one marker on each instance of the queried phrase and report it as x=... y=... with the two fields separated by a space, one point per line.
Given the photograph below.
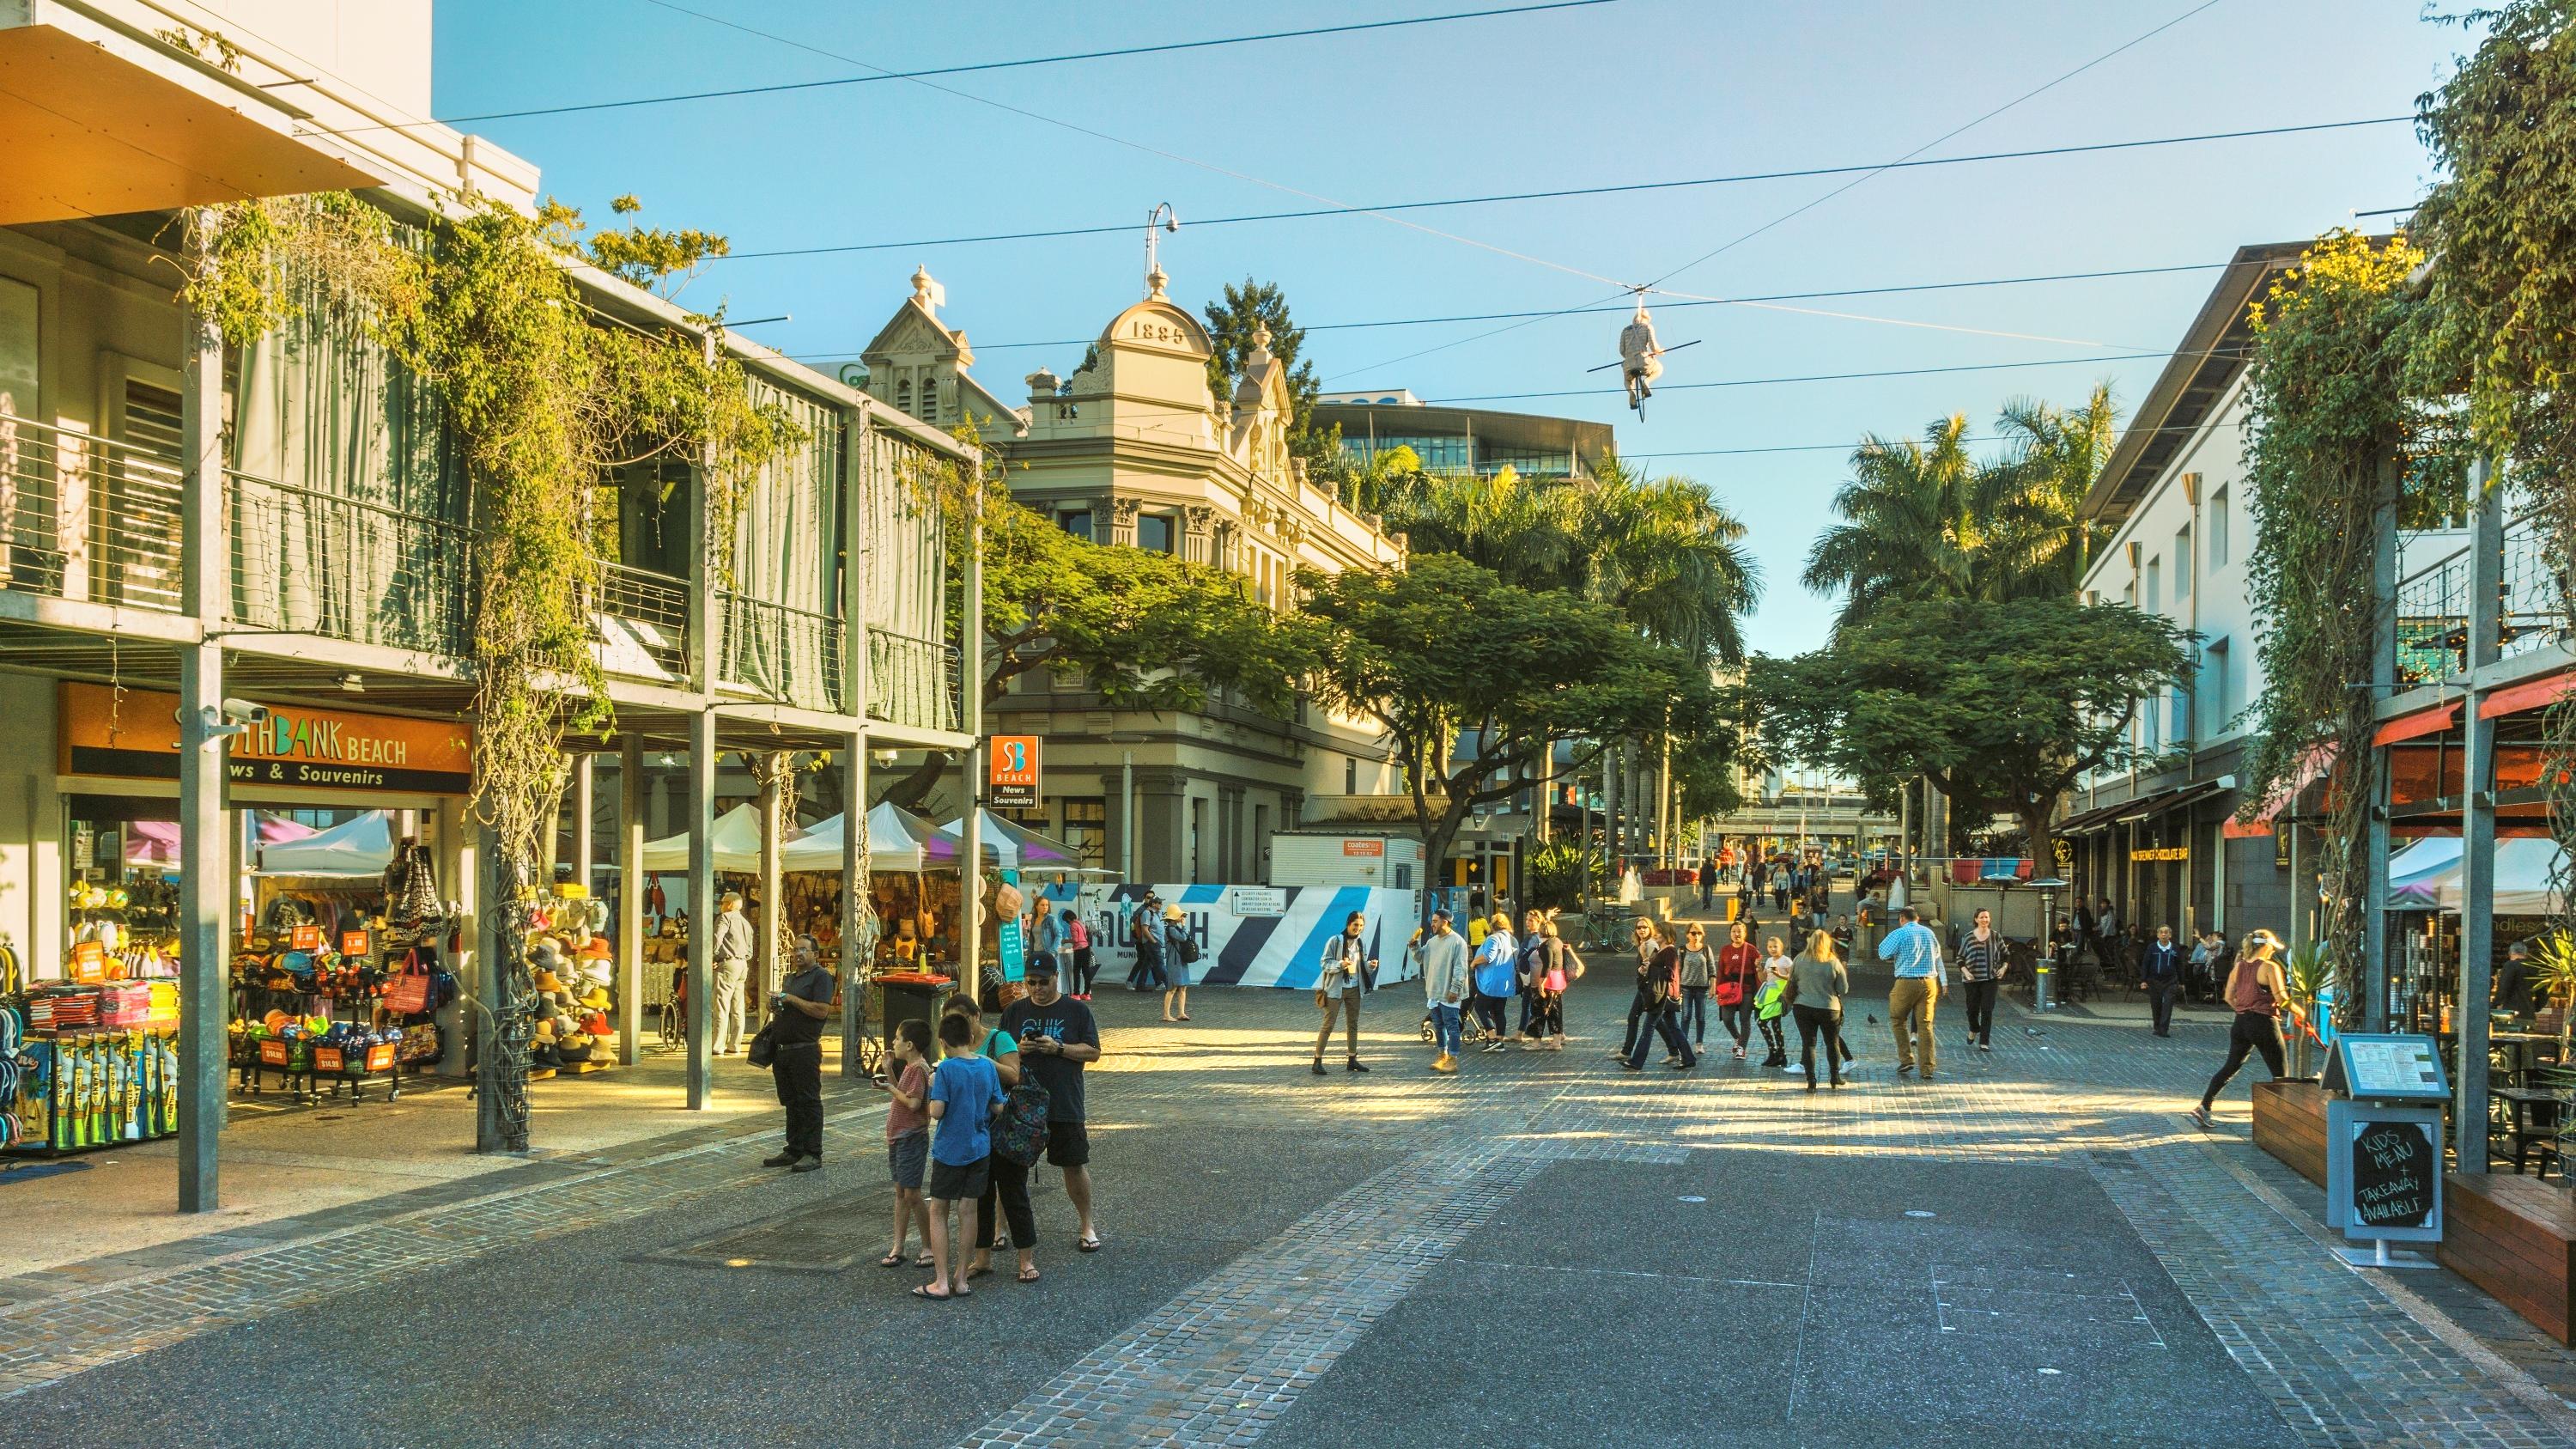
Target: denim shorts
x=908 y=1157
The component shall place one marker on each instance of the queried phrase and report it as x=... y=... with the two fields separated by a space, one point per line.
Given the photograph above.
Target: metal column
x=630 y=900
x=703 y=763
x=205 y=851
x=582 y=798
x=2383 y=679
x=765 y=973
x=970 y=928
x=2477 y=820
x=854 y=892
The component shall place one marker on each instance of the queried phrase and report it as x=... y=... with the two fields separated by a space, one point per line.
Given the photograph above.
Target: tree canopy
x=2002 y=703
x=1232 y=320
x=1473 y=677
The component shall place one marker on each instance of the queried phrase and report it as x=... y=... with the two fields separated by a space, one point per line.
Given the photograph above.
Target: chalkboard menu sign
x=2394 y=1166
x=2384 y=1170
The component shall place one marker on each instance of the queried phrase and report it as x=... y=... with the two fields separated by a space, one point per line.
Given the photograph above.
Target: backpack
x=1189 y=949
x=1020 y=1133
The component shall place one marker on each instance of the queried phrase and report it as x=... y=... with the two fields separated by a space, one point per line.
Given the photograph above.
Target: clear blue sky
x=1632 y=91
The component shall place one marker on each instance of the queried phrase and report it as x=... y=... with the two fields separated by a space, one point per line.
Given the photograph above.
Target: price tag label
x=89 y=963
x=326 y=1059
x=380 y=1057
x=272 y=1052
x=306 y=938
x=353 y=943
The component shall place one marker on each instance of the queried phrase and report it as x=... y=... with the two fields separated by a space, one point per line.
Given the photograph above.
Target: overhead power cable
x=1873 y=168
x=1645 y=456
x=1800 y=210
x=1622 y=308
x=1814 y=377
x=1161 y=48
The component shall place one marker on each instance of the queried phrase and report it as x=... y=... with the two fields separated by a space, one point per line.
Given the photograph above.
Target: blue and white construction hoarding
x=1249 y=935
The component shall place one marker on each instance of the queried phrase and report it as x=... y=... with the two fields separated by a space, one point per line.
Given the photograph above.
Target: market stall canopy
x=737 y=844
x=1016 y=847
x=360 y=847
x=2426 y=876
x=898 y=840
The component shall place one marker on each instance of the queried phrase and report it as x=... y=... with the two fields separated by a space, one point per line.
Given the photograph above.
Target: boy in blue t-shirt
x=965 y=1097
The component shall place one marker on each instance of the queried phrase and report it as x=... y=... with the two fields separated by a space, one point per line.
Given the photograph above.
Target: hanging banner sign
x=2161 y=852
x=1012 y=780
x=134 y=734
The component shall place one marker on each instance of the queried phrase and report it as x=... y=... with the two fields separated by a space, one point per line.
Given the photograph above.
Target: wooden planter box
x=2290 y=1123
x=2515 y=1237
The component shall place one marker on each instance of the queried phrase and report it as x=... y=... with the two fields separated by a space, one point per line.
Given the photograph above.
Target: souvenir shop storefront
x=344 y=834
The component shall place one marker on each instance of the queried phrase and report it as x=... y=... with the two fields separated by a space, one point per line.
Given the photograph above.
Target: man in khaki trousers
x=1916 y=954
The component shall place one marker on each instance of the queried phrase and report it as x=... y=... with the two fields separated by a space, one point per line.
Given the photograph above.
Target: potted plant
x=2311 y=973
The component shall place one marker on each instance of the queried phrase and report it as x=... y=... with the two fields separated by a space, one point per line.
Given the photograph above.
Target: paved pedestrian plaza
x=2034 y=1248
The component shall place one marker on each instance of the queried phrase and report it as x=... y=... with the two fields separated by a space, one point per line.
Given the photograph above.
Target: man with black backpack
x=1057 y=1037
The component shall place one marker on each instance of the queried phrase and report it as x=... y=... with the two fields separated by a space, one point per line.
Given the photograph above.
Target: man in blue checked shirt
x=1917 y=954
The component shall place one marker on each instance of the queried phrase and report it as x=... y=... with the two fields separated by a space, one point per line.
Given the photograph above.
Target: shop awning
x=2533 y=694
x=2169 y=799
x=1019 y=848
x=2427 y=876
x=2431 y=720
x=87 y=131
x=2084 y=822
x=350 y=850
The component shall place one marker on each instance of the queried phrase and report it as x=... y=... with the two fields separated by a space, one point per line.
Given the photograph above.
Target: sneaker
x=1444 y=1063
x=1792 y=1068
x=810 y=1164
x=1353 y=1065
x=1626 y=1065
x=1739 y=1054
x=2200 y=1118
x=784 y=1159
x=1905 y=1069
x=1497 y=1044
x=1985 y=1046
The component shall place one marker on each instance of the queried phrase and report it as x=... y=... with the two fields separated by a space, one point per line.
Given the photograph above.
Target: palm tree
x=1522 y=529
x=1664 y=553
x=2040 y=539
x=1909 y=528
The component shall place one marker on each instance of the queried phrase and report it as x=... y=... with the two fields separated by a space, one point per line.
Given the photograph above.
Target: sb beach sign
x=134 y=734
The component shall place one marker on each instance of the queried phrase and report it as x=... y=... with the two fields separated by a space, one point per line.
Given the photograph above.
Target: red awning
x=2529 y=695
x=2415 y=726
x=2234 y=829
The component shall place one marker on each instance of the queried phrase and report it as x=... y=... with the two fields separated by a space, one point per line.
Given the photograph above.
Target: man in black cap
x=1058 y=1037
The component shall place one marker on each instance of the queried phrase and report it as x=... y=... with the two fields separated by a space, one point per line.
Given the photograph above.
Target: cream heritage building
x=1136 y=450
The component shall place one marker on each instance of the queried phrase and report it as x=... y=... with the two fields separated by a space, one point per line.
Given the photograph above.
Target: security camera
x=245 y=711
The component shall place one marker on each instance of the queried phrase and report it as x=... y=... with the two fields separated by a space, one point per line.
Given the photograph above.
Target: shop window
x=1086 y=829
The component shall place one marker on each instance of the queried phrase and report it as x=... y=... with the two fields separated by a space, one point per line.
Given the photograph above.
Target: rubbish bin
x=2043 y=988
x=902 y=996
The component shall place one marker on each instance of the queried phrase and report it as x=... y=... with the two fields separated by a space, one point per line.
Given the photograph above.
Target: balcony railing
x=86 y=518
x=786 y=654
x=916 y=682
x=314 y=563
x=2433 y=605
x=640 y=620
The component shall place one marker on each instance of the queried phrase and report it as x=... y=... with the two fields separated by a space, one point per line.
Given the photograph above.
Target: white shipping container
x=1353 y=858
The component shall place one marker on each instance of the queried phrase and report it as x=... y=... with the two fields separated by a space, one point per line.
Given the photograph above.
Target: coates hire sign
x=134 y=734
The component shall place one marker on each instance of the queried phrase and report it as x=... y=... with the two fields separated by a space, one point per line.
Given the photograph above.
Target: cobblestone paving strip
x=1222 y=1361
x=2341 y=1363
x=86 y=1326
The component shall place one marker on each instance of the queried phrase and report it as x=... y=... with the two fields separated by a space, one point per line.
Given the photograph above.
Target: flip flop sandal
x=974 y=1273
x=923 y=1292
x=1088 y=1245
x=1029 y=1276
x=925 y=1261
x=962 y=1291
x=895 y=1260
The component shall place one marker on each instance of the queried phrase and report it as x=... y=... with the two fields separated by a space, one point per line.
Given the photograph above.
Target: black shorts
x=1068 y=1145
x=906 y=1157
x=956 y=1182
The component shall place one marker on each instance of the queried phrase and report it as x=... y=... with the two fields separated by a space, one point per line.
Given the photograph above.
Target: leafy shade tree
x=2011 y=702
x=1146 y=630
x=1472 y=676
x=1232 y=320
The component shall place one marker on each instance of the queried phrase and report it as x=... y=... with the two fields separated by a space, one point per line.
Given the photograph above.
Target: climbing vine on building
x=2502 y=224
x=544 y=397
x=2332 y=415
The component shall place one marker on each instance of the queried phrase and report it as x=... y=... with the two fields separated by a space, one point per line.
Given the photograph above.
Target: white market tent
x=1016 y=847
x=736 y=839
x=2426 y=876
x=898 y=841
x=360 y=847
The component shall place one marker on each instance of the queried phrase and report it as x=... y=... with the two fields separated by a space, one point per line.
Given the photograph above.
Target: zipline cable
x=842 y=248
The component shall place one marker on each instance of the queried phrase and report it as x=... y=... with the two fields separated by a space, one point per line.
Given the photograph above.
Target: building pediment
x=913 y=331
x=1156 y=324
